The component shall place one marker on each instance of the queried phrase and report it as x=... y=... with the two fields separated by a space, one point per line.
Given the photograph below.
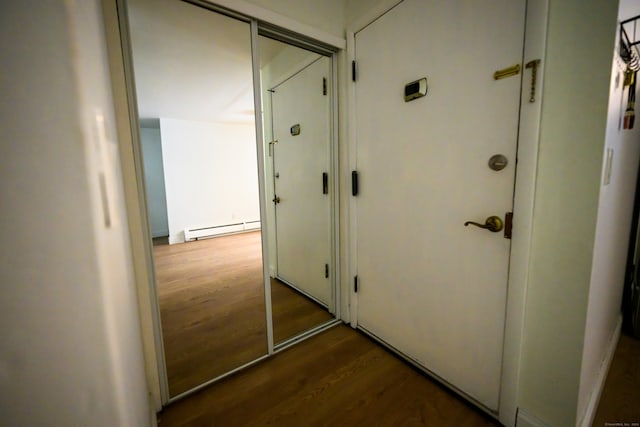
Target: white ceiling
x=191 y=63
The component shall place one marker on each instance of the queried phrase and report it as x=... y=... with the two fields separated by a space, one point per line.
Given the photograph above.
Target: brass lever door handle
x=493 y=223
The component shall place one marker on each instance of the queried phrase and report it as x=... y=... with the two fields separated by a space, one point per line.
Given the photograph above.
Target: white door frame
x=527 y=157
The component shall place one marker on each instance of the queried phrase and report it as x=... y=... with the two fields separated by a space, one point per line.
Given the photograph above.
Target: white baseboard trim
x=153 y=418
x=594 y=399
x=525 y=419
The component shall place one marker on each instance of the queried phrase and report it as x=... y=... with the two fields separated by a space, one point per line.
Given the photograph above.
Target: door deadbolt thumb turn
x=498 y=162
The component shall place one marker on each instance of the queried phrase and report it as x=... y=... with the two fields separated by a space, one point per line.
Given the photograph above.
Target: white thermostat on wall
x=415 y=89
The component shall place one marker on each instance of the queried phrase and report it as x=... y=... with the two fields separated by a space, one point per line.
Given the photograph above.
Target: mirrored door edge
x=283 y=345
x=216 y=379
x=134 y=126
x=257 y=101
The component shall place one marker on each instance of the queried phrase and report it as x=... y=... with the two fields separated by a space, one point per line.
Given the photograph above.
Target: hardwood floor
x=213 y=320
x=293 y=313
x=341 y=377
x=212 y=307
x=620 y=400
x=338 y=378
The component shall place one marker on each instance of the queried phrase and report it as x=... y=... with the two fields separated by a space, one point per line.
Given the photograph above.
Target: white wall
x=211 y=174
x=71 y=347
x=356 y=9
x=577 y=67
x=190 y=63
x=151 y=144
x=325 y=15
x=615 y=209
x=285 y=64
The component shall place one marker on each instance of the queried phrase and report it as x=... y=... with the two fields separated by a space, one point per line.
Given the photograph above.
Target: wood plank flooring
x=337 y=378
x=212 y=307
x=293 y=313
x=620 y=400
x=341 y=377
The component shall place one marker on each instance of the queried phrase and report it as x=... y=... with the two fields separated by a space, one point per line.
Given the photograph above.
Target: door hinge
x=324 y=85
x=272 y=147
x=326 y=271
x=353 y=70
x=325 y=183
x=354 y=183
x=355 y=284
x=508 y=224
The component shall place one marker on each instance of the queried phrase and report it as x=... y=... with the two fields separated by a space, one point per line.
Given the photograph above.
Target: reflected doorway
x=297 y=100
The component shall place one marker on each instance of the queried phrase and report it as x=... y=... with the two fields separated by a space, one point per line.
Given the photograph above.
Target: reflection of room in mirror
x=297 y=134
x=194 y=87
x=293 y=312
x=211 y=295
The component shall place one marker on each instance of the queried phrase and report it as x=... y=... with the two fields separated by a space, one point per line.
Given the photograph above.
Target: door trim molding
x=525 y=186
x=527 y=154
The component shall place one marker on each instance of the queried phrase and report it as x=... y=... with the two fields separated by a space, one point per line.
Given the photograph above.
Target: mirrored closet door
x=194 y=87
x=206 y=163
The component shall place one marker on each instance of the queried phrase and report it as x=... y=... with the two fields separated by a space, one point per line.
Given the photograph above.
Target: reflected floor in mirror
x=293 y=313
x=211 y=295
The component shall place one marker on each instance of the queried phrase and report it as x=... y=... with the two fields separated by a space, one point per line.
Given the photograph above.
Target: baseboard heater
x=192 y=234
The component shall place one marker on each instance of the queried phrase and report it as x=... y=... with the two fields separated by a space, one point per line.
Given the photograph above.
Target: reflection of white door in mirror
x=301 y=158
x=297 y=104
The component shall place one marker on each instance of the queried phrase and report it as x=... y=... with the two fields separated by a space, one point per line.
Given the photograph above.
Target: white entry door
x=301 y=127
x=430 y=286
